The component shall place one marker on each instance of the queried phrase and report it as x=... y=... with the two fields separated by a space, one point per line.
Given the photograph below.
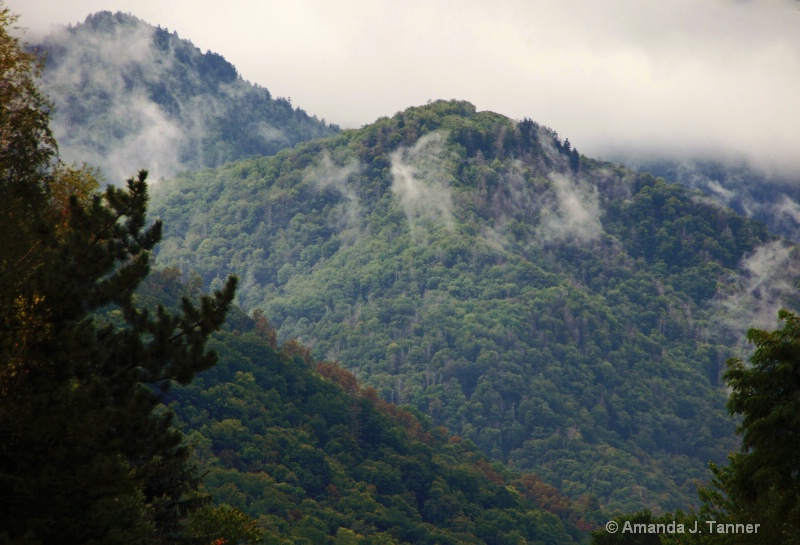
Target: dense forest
x=569 y=316
x=126 y=92
x=98 y=355
x=771 y=197
x=313 y=457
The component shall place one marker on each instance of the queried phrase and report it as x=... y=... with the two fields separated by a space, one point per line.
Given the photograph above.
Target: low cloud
x=421 y=180
x=326 y=174
x=129 y=96
x=576 y=214
x=679 y=77
x=761 y=195
x=115 y=126
x=768 y=283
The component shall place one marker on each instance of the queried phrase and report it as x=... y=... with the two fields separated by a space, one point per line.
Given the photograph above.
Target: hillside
x=128 y=95
x=313 y=457
x=772 y=198
x=569 y=316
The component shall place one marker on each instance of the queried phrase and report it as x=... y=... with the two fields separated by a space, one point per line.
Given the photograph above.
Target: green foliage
x=756 y=494
x=583 y=351
x=314 y=457
x=761 y=482
x=746 y=189
x=87 y=454
x=765 y=394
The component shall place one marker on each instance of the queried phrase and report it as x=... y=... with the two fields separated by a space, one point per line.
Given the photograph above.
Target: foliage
x=557 y=314
x=761 y=482
x=87 y=455
x=756 y=492
x=315 y=457
x=27 y=150
x=771 y=196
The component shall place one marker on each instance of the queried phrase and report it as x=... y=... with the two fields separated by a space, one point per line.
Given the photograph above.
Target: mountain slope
x=772 y=198
x=566 y=315
x=300 y=447
x=128 y=94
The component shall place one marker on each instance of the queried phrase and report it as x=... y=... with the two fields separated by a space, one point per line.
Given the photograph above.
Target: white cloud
x=131 y=131
x=326 y=174
x=766 y=285
x=713 y=76
x=421 y=180
x=576 y=215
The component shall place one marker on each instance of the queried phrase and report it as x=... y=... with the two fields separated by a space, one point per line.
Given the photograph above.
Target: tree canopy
x=759 y=486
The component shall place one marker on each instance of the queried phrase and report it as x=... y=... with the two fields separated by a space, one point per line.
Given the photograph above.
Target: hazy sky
x=721 y=76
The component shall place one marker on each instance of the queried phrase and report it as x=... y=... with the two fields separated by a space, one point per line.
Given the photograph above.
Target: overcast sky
x=721 y=76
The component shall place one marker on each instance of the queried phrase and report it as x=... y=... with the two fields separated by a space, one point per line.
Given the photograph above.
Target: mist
x=421 y=180
x=712 y=78
x=766 y=284
x=763 y=195
x=326 y=174
x=129 y=132
x=576 y=214
x=128 y=96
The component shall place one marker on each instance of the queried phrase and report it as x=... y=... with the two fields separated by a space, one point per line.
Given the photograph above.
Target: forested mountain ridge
x=126 y=92
x=770 y=197
x=92 y=344
x=568 y=316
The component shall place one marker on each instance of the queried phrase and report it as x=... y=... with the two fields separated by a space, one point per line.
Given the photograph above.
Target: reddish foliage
x=333 y=491
x=342 y=377
x=586 y=527
x=371 y=394
x=264 y=329
x=544 y=495
x=490 y=473
x=292 y=347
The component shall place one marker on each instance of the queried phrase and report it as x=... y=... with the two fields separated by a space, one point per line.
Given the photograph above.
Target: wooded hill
x=561 y=314
x=769 y=197
x=569 y=316
x=312 y=457
x=129 y=95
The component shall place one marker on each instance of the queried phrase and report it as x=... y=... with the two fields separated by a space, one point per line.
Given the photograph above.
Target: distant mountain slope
x=770 y=198
x=567 y=315
x=129 y=95
x=302 y=448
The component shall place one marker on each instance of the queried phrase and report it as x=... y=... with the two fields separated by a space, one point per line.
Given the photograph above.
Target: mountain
x=570 y=317
x=770 y=197
x=128 y=94
x=313 y=457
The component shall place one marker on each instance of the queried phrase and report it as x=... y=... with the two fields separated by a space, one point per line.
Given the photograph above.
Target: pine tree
x=87 y=453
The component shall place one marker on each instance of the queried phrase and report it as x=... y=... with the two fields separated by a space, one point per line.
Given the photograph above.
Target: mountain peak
x=129 y=95
x=106 y=20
